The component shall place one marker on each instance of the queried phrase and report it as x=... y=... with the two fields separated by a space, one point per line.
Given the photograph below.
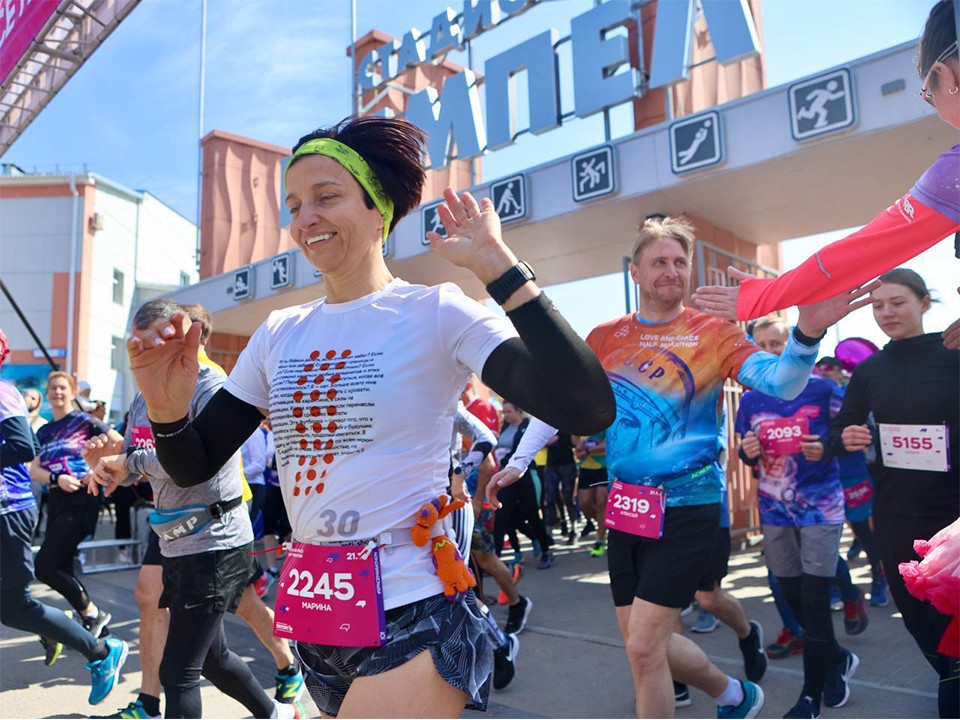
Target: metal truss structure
x=67 y=39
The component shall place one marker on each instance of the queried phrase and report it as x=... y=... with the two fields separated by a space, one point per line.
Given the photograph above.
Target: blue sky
x=277 y=69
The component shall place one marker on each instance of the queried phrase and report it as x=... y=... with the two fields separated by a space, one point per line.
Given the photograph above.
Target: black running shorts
x=667 y=571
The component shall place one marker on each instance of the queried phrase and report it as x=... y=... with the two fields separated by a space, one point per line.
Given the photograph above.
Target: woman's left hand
x=473 y=238
x=812 y=448
x=507 y=476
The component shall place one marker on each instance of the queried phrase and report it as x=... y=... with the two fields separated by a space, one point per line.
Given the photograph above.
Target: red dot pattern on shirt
x=308 y=479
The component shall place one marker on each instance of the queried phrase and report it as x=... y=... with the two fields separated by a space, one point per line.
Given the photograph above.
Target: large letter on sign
x=596 y=57
x=451 y=119
x=536 y=56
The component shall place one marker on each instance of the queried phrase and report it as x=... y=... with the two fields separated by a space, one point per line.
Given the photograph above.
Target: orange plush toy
x=451 y=569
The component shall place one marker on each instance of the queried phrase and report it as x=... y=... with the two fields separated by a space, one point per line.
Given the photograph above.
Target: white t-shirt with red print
x=362 y=396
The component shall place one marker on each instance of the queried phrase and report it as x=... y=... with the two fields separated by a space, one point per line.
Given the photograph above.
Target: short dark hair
x=199 y=314
x=393 y=148
x=152 y=310
x=939 y=34
x=829 y=361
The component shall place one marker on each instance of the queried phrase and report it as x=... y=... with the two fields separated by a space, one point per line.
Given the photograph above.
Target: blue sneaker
x=836 y=599
x=105 y=673
x=750 y=707
x=289 y=687
x=878 y=594
x=705 y=623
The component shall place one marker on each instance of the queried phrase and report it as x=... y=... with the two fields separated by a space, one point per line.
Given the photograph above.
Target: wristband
x=54 y=476
x=806 y=339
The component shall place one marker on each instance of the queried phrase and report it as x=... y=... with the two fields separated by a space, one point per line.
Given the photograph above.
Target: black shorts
x=212 y=580
x=16 y=558
x=455 y=633
x=592 y=477
x=275 y=521
x=152 y=556
x=719 y=563
x=667 y=571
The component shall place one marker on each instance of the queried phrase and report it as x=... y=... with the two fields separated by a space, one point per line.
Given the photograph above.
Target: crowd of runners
x=387 y=534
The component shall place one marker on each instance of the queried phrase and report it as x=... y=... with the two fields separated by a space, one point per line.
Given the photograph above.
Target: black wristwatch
x=54 y=476
x=511 y=281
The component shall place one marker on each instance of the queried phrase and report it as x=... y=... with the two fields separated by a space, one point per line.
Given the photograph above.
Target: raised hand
x=817 y=317
x=721 y=300
x=473 y=238
x=164 y=361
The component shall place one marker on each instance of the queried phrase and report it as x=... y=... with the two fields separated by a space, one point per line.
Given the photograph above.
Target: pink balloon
x=853 y=351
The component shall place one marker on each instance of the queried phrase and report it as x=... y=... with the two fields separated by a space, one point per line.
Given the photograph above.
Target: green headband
x=356 y=166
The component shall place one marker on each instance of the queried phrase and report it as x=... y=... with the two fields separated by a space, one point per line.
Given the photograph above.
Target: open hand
x=721 y=300
x=100 y=446
x=473 y=238
x=507 y=476
x=817 y=317
x=109 y=472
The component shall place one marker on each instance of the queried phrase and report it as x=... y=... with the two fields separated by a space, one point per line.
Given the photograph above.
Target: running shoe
x=836 y=599
x=289 y=687
x=504 y=662
x=836 y=687
x=51 y=650
x=546 y=560
x=588 y=529
x=855 y=618
x=806 y=707
x=853 y=553
x=599 y=549
x=263 y=583
x=878 y=594
x=681 y=695
x=97 y=626
x=517 y=574
x=517 y=616
x=572 y=538
x=750 y=706
x=687 y=610
x=754 y=658
x=705 y=623
x=104 y=674
x=787 y=644
x=133 y=711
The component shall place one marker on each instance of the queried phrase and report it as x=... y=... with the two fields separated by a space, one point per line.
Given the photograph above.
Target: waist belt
x=189 y=520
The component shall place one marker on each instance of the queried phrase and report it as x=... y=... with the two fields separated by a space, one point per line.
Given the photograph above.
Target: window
x=116 y=352
x=117 y=287
x=184 y=279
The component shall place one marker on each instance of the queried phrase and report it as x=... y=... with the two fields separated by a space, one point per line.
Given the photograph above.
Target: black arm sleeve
x=550 y=372
x=193 y=452
x=854 y=411
x=19 y=443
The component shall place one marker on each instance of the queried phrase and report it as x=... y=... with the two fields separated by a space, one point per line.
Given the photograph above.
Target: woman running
x=912 y=387
x=73 y=512
x=361 y=387
x=916 y=222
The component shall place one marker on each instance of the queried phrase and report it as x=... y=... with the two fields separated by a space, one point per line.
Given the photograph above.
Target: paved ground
x=571 y=662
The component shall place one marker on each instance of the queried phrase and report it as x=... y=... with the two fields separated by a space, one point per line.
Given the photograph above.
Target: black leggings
x=809 y=599
x=864 y=533
x=520 y=511
x=66 y=529
x=196 y=645
x=895 y=535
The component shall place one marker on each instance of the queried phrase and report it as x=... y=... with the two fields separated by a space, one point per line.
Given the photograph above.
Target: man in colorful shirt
x=802 y=512
x=667 y=365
